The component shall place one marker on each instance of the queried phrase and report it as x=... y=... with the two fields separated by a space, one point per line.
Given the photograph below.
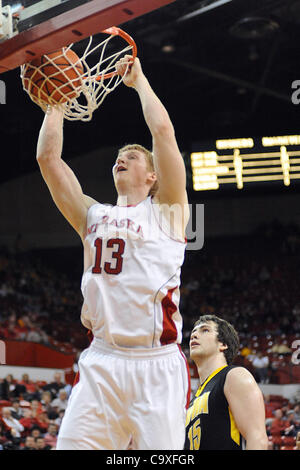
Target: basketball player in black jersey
x=227 y=412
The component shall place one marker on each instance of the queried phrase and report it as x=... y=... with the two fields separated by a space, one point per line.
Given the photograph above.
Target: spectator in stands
x=294 y=419
x=14 y=387
x=46 y=399
x=30 y=387
x=296 y=397
x=12 y=423
x=41 y=445
x=43 y=421
x=60 y=417
x=15 y=409
x=269 y=408
x=3 y=433
x=12 y=390
x=278 y=424
x=291 y=430
x=30 y=443
x=264 y=274
x=56 y=385
x=61 y=402
x=28 y=421
x=68 y=389
x=13 y=441
x=274 y=368
x=280 y=348
x=35 y=432
x=36 y=335
x=285 y=410
x=20 y=329
x=46 y=403
x=51 y=436
x=296 y=412
x=245 y=351
x=3 y=389
x=261 y=364
x=36 y=407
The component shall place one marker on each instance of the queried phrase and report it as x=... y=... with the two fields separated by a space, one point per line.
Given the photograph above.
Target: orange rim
x=114 y=30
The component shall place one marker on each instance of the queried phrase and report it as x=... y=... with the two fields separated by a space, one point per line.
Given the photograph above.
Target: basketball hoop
x=96 y=82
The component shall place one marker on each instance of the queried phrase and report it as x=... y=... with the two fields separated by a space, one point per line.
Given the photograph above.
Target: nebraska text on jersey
x=131 y=277
x=123 y=223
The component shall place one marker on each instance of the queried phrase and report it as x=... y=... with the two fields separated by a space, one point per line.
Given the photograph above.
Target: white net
x=77 y=85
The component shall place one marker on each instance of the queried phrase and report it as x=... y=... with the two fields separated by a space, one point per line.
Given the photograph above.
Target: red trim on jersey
x=77 y=376
x=76 y=379
x=188 y=395
x=169 y=334
x=90 y=336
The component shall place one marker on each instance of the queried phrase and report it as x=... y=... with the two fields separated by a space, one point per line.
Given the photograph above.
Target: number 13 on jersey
x=115 y=264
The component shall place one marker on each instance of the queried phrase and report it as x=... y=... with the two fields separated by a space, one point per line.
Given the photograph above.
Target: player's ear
x=152 y=177
x=223 y=347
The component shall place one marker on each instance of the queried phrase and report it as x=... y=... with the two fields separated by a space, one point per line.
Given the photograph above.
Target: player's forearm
x=50 y=141
x=155 y=114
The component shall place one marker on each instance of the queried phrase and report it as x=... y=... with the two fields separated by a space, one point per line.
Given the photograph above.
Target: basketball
x=54 y=78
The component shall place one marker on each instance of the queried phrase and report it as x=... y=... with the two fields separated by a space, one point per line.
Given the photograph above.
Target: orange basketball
x=54 y=78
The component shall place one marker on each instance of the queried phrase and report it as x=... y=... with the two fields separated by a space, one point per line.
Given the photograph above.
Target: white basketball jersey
x=131 y=277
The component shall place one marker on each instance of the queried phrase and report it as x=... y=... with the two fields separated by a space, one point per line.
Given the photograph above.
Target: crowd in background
x=251 y=281
x=31 y=412
x=37 y=302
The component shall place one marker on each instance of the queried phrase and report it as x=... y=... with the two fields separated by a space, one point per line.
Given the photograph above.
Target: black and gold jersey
x=209 y=422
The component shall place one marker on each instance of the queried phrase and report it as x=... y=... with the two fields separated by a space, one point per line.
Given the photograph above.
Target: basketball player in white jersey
x=133 y=386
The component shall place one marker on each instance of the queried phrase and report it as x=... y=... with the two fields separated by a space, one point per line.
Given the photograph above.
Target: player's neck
x=131 y=198
x=208 y=365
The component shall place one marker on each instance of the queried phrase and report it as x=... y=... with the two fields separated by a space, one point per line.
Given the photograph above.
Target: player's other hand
x=130 y=69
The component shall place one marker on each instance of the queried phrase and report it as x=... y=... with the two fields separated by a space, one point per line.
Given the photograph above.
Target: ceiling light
x=254 y=28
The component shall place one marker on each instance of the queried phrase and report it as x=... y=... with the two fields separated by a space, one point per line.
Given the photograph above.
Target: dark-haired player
x=227 y=412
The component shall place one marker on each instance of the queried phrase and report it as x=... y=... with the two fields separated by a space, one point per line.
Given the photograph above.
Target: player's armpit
x=89 y=201
x=173 y=218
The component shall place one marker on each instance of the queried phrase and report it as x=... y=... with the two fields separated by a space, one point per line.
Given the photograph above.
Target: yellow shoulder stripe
x=200 y=389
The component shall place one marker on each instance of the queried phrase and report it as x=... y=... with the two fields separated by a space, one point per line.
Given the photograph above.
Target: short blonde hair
x=149 y=161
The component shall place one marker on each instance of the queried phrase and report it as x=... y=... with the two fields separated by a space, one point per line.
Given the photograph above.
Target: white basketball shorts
x=127 y=399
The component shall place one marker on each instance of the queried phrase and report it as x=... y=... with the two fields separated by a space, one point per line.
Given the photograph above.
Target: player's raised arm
x=168 y=162
x=60 y=179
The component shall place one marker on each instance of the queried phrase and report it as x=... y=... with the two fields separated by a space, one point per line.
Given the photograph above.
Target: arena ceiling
x=222 y=68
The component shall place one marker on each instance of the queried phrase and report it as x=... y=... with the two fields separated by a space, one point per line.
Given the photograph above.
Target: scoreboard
x=244 y=161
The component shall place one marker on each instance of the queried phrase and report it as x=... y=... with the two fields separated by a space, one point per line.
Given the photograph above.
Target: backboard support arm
x=70 y=27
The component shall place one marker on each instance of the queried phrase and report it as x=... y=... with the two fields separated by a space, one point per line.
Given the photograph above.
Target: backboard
x=31 y=28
